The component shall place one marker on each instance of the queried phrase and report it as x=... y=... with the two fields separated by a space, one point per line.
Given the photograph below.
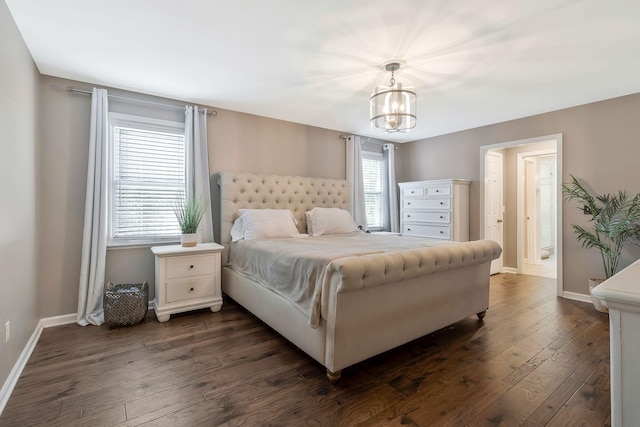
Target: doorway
x=537 y=212
x=526 y=245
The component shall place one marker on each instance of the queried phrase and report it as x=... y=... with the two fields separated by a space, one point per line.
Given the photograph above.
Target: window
x=372 y=165
x=147 y=175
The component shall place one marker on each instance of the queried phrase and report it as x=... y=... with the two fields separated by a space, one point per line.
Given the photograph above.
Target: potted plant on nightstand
x=189 y=213
x=615 y=223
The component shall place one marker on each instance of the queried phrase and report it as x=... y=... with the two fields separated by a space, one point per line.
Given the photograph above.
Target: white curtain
x=94 y=240
x=198 y=177
x=390 y=215
x=354 y=176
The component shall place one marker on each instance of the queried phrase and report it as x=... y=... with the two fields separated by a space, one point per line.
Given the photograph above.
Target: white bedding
x=298 y=268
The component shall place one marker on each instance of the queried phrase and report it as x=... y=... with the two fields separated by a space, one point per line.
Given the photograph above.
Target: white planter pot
x=188 y=240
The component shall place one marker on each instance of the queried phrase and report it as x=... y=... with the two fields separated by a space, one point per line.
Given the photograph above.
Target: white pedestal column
x=621 y=294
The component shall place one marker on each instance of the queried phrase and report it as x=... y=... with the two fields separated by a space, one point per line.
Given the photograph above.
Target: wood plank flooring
x=535 y=360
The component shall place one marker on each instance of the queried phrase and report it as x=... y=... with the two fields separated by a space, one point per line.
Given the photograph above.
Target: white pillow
x=329 y=221
x=264 y=224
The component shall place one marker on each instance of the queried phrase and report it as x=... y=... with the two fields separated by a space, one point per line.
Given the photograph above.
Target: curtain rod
x=74 y=90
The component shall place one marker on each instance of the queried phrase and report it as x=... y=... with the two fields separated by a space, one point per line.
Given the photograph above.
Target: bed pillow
x=264 y=224
x=329 y=221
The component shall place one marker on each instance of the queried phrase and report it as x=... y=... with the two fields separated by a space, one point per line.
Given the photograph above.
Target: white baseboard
x=509 y=270
x=15 y=373
x=576 y=296
x=65 y=319
x=12 y=380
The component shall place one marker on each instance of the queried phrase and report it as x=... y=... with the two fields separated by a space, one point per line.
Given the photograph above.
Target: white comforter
x=298 y=268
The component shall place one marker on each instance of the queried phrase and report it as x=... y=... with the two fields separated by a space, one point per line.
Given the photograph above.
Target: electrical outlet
x=7 y=331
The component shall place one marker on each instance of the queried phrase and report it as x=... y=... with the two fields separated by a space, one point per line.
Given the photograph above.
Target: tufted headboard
x=296 y=193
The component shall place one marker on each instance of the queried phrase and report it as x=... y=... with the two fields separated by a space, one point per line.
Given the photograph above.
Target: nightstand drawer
x=435 y=203
x=190 y=289
x=442 y=217
x=433 y=231
x=188 y=266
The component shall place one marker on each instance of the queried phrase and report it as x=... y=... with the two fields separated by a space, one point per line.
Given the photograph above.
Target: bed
x=369 y=301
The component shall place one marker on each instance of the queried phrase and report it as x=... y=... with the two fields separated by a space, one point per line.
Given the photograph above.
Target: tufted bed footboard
x=369 y=303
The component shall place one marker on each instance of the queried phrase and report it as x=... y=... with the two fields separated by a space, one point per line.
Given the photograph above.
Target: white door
x=493 y=203
x=532 y=209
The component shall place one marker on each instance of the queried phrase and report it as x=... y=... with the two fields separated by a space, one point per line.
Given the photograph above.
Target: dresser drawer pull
x=442 y=203
x=441 y=232
x=408 y=203
x=437 y=191
x=408 y=229
x=408 y=216
x=191 y=290
x=441 y=217
x=190 y=267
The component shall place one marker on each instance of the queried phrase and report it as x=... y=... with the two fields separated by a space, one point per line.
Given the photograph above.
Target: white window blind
x=372 y=164
x=147 y=177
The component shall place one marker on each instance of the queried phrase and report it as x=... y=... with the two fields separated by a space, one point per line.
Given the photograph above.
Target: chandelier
x=393 y=108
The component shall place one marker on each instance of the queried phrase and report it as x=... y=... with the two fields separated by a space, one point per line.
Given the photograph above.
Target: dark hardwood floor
x=535 y=360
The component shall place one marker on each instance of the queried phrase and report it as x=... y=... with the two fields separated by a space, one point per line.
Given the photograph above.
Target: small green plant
x=615 y=219
x=189 y=213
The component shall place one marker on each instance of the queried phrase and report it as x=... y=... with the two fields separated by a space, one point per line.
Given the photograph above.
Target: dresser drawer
x=433 y=231
x=438 y=190
x=193 y=265
x=443 y=217
x=435 y=203
x=190 y=289
x=415 y=191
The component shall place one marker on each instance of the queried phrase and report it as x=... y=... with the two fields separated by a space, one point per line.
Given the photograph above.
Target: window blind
x=372 y=165
x=148 y=177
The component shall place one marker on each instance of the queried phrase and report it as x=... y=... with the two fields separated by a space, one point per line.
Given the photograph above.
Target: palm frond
x=615 y=220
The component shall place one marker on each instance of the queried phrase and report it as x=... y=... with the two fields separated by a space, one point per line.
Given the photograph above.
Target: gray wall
x=237 y=142
x=601 y=144
x=18 y=189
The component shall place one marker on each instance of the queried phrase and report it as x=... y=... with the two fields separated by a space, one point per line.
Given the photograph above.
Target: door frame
x=509 y=144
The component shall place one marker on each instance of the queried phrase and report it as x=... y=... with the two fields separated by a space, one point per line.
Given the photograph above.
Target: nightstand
x=187 y=278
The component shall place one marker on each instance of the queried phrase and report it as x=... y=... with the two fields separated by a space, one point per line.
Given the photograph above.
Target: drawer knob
x=412 y=192
x=190 y=267
x=191 y=290
x=408 y=216
x=408 y=229
x=408 y=203
x=441 y=217
x=442 y=203
x=437 y=191
x=441 y=232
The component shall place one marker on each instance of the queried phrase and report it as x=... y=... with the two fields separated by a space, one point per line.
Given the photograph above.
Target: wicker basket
x=125 y=304
x=598 y=303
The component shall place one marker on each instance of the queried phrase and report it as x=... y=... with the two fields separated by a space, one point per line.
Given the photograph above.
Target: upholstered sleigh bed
x=370 y=302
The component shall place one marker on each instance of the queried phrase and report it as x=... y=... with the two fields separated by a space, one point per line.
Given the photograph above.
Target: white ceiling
x=472 y=62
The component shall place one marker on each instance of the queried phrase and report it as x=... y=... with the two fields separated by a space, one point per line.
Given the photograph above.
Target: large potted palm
x=615 y=222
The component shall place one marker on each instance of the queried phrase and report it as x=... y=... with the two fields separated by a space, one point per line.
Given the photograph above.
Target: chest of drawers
x=438 y=209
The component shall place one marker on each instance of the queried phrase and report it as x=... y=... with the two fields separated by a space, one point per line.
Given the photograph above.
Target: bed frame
x=368 y=311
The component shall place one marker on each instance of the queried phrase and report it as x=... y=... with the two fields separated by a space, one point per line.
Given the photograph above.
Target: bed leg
x=333 y=377
x=482 y=314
